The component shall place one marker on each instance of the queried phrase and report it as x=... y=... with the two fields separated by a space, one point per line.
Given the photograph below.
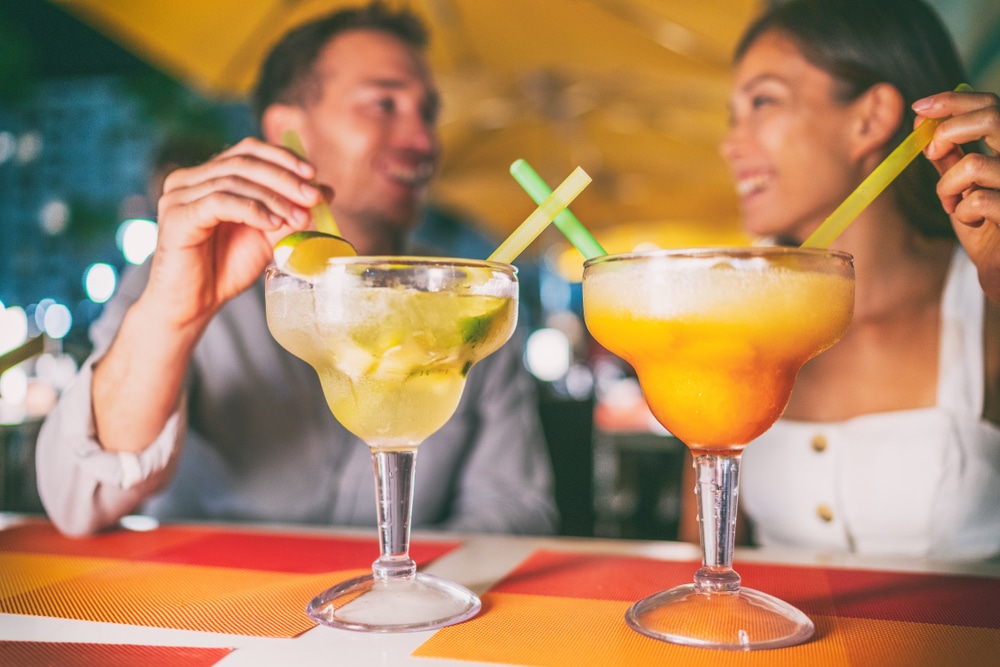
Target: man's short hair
x=287 y=73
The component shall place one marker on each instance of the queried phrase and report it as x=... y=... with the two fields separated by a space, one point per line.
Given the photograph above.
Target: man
x=183 y=358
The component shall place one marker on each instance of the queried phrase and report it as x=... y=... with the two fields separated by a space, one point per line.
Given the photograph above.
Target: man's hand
x=218 y=223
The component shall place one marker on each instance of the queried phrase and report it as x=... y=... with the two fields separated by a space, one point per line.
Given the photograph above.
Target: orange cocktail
x=717 y=353
x=717 y=337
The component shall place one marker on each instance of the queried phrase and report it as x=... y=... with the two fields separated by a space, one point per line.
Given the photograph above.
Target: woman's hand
x=970 y=183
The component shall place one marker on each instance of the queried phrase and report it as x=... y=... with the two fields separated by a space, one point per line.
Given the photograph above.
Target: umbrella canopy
x=634 y=91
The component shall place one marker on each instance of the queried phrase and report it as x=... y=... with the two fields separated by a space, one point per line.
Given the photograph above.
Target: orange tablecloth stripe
x=561 y=608
x=232 y=582
x=570 y=632
x=65 y=654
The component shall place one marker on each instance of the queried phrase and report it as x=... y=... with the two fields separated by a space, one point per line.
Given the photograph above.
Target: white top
x=923 y=482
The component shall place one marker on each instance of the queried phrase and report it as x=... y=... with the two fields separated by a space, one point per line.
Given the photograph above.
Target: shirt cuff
x=131 y=470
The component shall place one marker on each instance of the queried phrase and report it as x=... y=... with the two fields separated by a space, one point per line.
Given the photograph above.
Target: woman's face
x=787 y=143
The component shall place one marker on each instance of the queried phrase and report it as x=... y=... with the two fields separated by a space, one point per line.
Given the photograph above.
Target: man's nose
x=418 y=133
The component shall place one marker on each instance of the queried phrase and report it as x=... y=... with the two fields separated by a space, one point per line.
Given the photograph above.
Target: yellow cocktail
x=717 y=337
x=393 y=362
x=392 y=340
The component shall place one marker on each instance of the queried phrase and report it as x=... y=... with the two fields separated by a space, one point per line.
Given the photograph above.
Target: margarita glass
x=392 y=340
x=717 y=337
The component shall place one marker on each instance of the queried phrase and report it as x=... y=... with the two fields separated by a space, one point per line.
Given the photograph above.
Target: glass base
x=366 y=604
x=741 y=620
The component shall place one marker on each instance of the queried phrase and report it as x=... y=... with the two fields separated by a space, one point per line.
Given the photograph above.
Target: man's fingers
x=257 y=166
x=228 y=207
x=271 y=153
x=277 y=205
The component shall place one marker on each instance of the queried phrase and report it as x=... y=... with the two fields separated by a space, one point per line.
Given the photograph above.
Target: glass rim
x=729 y=251
x=409 y=261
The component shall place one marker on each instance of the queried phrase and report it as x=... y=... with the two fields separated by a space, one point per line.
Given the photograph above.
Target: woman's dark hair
x=287 y=73
x=864 y=42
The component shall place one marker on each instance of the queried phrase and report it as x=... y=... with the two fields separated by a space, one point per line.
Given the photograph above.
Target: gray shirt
x=252 y=439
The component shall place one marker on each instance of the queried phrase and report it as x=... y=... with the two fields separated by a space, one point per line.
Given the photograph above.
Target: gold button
x=819 y=443
x=825 y=513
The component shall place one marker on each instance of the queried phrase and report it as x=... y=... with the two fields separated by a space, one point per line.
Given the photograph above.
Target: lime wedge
x=476 y=327
x=305 y=254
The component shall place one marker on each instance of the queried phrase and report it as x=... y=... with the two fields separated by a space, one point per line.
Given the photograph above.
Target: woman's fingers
x=968 y=117
x=974 y=177
x=969 y=187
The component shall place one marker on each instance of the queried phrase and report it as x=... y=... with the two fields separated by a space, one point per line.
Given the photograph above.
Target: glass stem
x=717 y=490
x=394 y=472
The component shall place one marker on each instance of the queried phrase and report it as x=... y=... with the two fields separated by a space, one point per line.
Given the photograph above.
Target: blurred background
x=634 y=91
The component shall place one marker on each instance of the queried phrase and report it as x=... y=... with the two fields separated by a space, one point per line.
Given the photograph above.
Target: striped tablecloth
x=560 y=608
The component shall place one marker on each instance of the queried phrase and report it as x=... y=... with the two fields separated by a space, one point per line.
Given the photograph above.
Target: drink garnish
x=322 y=217
x=306 y=254
x=476 y=328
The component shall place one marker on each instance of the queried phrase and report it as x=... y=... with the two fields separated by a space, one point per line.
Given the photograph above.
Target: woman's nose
x=732 y=143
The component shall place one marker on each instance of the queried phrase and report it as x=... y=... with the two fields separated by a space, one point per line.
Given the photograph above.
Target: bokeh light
x=57 y=321
x=137 y=239
x=547 y=354
x=14 y=385
x=37 y=313
x=29 y=146
x=8 y=146
x=13 y=328
x=100 y=281
x=54 y=217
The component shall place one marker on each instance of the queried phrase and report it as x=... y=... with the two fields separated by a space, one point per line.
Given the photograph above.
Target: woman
x=890 y=442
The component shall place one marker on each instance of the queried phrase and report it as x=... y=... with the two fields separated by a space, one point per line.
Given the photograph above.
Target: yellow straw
x=877 y=181
x=541 y=217
x=321 y=214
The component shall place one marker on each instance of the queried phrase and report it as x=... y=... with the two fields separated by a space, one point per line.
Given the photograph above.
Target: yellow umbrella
x=634 y=91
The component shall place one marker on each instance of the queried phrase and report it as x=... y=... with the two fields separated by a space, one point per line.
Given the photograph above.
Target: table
x=546 y=600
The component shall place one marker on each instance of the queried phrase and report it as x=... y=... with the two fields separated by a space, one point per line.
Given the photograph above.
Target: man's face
x=372 y=131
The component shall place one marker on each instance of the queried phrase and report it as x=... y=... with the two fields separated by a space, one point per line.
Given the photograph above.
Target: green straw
x=541 y=217
x=567 y=223
x=877 y=181
x=321 y=213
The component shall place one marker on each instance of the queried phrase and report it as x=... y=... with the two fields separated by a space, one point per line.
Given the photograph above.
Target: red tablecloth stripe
x=65 y=654
x=893 y=596
x=241 y=549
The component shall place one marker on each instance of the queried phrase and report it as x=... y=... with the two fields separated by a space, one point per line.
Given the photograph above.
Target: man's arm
x=83 y=487
x=218 y=223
